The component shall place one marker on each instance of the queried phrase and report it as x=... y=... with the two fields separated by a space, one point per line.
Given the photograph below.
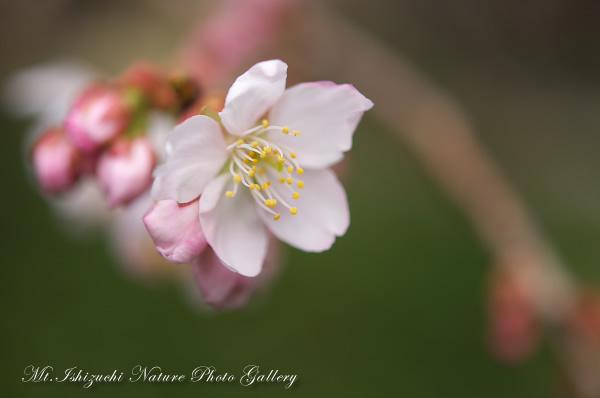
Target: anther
x=254 y=144
x=300 y=170
x=251 y=186
x=290 y=169
x=300 y=184
x=276 y=216
x=289 y=180
x=295 y=195
x=251 y=173
x=264 y=186
x=285 y=129
x=237 y=178
x=293 y=210
x=280 y=159
x=295 y=132
x=265 y=123
x=293 y=155
x=281 y=180
x=240 y=141
x=229 y=194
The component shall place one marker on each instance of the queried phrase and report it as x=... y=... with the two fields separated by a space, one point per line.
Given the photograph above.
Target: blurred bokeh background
x=398 y=306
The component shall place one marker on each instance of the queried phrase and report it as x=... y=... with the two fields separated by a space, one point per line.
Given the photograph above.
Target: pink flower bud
x=513 y=331
x=54 y=161
x=125 y=170
x=223 y=288
x=175 y=229
x=97 y=116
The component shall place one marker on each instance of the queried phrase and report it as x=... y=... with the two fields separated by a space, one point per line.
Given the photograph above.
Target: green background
x=396 y=307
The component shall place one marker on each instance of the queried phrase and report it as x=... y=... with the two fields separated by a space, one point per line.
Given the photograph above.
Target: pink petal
x=326 y=115
x=175 y=230
x=232 y=227
x=195 y=154
x=322 y=212
x=252 y=94
x=222 y=288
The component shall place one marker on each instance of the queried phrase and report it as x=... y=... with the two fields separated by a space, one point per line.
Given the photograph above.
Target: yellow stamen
x=264 y=186
x=285 y=129
x=274 y=151
x=254 y=144
x=251 y=173
x=295 y=195
x=276 y=216
x=273 y=202
x=262 y=170
x=268 y=202
x=295 y=132
x=267 y=149
x=290 y=169
x=265 y=123
x=299 y=170
x=263 y=154
x=229 y=194
x=245 y=160
x=293 y=210
x=254 y=160
x=237 y=178
x=252 y=154
x=257 y=187
x=251 y=186
x=281 y=180
x=240 y=141
x=281 y=159
x=293 y=155
x=288 y=180
x=300 y=184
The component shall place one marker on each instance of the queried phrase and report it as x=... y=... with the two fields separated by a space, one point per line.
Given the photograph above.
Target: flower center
x=254 y=159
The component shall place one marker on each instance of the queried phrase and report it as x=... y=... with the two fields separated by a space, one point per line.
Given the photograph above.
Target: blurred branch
x=439 y=132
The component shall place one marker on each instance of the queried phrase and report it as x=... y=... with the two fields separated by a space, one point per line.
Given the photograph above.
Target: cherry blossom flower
x=262 y=164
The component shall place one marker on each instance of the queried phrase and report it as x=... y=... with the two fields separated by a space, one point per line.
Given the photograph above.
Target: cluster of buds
x=104 y=134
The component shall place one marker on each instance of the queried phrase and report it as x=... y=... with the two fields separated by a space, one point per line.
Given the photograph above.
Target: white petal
x=232 y=227
x=252 y=94
x=196 y=153
x=326 y=115
x=322 y=212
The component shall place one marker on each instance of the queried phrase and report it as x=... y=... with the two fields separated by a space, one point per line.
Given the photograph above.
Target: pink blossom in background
x=513 y=325
x=54 y=161
x=97 y=116
x=125 y=170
